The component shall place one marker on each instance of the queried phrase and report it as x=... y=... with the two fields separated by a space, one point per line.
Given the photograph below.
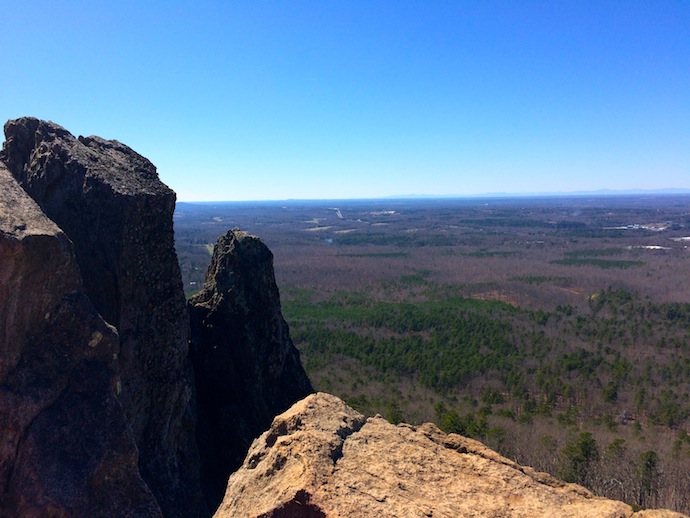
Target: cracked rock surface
x=323 y=459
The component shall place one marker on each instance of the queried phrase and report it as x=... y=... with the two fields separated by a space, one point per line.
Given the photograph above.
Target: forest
x=554 y=330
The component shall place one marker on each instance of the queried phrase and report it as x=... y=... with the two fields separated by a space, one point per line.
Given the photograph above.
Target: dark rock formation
x=97 y=415
x=246 y=367
x=57 y=378
x=110 y=203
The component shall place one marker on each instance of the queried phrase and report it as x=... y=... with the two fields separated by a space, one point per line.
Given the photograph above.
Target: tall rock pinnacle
x=246 y=367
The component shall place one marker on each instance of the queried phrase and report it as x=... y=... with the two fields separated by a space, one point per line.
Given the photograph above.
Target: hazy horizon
x=596 y=193
x=257 y=100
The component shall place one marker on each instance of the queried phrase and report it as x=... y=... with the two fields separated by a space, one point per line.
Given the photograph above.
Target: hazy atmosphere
x=257 y=100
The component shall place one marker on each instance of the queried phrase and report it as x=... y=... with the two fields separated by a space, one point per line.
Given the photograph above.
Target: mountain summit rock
x=323 y=459
x=110 y=203
x=66 y=447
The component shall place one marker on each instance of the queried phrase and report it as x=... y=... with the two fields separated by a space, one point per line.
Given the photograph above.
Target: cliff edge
x=323 y=459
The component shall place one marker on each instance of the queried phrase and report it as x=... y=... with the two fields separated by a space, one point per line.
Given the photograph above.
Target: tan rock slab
x=323 y=459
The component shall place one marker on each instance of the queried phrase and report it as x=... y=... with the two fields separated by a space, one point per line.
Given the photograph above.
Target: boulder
x=110 y=203
x=321 y=459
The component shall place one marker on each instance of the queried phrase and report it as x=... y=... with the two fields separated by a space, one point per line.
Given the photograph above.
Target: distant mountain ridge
x=558 y=194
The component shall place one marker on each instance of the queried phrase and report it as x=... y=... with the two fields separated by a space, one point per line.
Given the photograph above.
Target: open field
x=537 y=250
x=556 y=330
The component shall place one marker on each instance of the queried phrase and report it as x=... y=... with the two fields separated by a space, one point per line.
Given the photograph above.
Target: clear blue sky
x=253 y=100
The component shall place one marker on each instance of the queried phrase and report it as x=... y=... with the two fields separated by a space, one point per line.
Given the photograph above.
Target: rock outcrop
x=322 y=459
x=57 y=377
x=111 y=205
x=97 y=399
x=246 y=367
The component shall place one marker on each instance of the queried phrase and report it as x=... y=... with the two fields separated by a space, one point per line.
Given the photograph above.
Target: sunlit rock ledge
x=321 y=458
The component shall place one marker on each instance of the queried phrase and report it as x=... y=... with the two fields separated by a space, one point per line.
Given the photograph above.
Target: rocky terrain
x=118 y=398
x=322 y=459
x=97 y=398
x=67 y=448
x=118 y=215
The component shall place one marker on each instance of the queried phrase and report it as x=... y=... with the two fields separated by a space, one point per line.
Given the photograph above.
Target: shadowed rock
x=110 y=203
x=57 y=380
x=246 y=367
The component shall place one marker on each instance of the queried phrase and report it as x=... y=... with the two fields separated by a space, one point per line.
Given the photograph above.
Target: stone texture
x=110 y=203
x=36 y=257
x=57 y=379
x=92 y=246
x=246 y=367
x=322 y=459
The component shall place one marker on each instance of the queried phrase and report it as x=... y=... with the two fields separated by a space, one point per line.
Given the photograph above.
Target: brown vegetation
x=596 y=336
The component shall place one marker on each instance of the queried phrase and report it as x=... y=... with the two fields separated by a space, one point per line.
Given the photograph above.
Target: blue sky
x=257 y=100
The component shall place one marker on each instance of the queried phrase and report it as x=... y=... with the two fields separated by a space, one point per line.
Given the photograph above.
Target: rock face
x=246 y=367
x=111 y=205
x=322 y=459
x=57 y=376
x=97 y=400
